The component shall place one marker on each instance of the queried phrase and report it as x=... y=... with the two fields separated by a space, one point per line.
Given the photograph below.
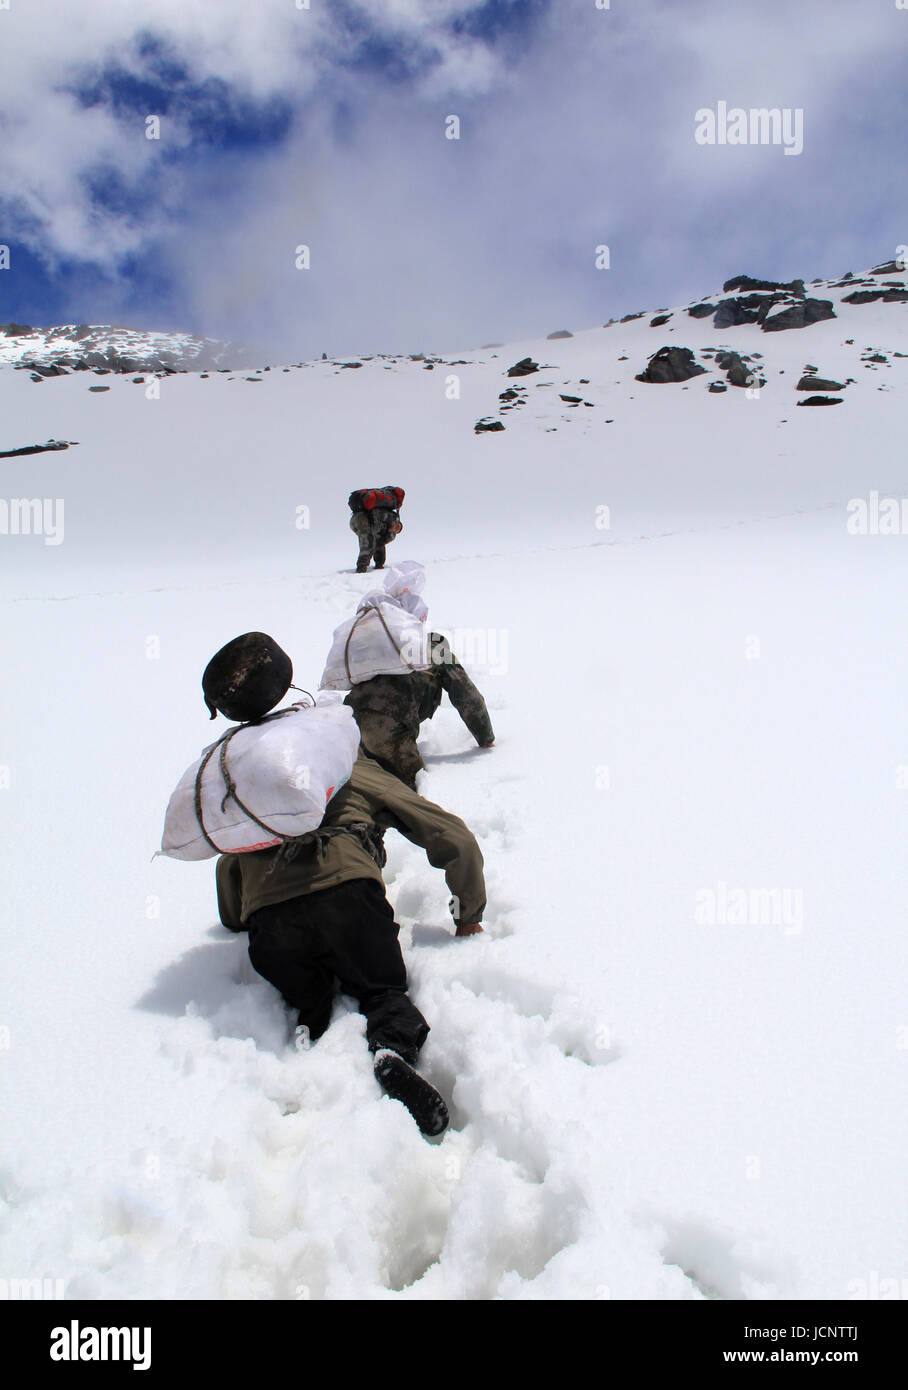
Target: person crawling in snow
x=389 y=709
x=319 y=920
x=376 y=521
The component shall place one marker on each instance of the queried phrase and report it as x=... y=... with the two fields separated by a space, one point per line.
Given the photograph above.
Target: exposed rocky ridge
x=746 y=302
x=112 y=347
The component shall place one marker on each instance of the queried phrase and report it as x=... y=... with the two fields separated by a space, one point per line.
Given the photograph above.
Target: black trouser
x=345 y=935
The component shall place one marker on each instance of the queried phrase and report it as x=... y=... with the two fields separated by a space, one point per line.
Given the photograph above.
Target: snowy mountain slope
x=114 y=347
x=650 y=1099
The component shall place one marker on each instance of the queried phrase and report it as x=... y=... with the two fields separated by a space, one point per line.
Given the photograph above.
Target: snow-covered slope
x=694 y=670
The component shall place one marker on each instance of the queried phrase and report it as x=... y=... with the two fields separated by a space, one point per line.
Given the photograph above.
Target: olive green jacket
x=376 y=799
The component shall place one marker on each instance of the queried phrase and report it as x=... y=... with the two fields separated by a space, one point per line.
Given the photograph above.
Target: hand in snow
x=468 y=928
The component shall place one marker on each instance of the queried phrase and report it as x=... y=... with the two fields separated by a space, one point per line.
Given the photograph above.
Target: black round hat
x=247 y=677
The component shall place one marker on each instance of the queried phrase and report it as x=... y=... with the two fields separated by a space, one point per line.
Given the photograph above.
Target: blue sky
x=326 y=127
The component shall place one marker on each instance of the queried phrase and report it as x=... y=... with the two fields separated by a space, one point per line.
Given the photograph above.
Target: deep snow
x=709 y=692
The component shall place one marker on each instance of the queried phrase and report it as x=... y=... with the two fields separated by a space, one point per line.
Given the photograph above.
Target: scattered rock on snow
x=822 y=400
x=525 y=367
x=670 y=364
x=819 y=383
x=738 y=371
x=560 y=333
x=487 y=426
x=51 y=446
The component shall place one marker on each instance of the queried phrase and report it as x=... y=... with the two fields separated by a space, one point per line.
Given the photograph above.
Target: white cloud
x=583 y=134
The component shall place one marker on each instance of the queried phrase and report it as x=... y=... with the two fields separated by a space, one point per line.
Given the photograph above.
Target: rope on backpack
x=291 y=845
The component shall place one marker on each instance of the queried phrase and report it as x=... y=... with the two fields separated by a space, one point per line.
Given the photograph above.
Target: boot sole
x=399 y=1081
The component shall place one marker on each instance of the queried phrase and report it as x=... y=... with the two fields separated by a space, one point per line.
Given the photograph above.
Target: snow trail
x=704 y=700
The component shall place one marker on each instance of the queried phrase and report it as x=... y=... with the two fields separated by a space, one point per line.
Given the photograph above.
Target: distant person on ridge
x=376 y=521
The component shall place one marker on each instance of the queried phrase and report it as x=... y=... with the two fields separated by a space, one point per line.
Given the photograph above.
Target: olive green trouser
x=229 y=883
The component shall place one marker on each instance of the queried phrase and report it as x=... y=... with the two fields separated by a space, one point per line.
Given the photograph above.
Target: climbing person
x=390 y=709
x=376 y=521
x=396 y=673
x=315 y=908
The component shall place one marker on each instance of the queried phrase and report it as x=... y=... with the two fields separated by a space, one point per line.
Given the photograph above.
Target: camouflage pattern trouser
x=373 y=530
x=392 y=745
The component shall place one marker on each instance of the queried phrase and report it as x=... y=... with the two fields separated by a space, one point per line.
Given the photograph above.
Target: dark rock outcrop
x=731 y=313
x=747 y=282
x=51 y=446
x=738 y=371
x=822 y=400
x=51 y=369
x=800 y=315
x=819 y=383
x=525 y=367
x=670 y=364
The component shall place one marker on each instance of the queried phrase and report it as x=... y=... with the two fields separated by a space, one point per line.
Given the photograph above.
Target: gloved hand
x=468 y=928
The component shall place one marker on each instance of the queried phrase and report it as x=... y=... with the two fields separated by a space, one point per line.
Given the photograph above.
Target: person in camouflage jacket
x=390 y=709
x=376 y=522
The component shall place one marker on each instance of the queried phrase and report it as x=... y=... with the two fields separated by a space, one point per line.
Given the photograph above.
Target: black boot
x=379 y=557
x=362 y=564
x=398 y=1080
